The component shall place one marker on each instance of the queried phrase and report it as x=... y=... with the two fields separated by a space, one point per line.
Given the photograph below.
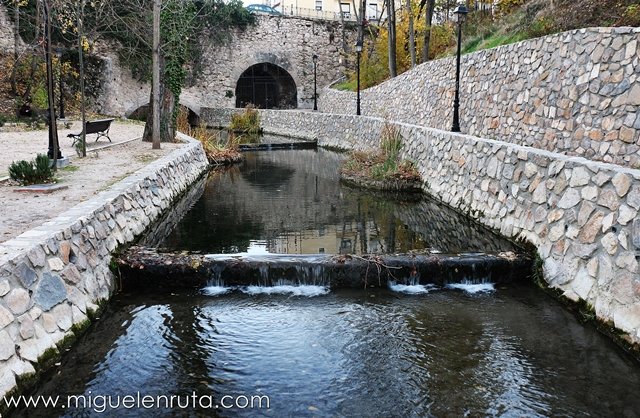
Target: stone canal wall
x=53 y=276
x=581 y=215
x=576 y=93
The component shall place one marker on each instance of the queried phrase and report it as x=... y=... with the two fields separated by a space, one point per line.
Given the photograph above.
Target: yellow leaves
x=86 y=46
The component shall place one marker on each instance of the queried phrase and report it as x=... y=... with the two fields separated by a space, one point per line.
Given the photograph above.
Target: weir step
x=142 y=267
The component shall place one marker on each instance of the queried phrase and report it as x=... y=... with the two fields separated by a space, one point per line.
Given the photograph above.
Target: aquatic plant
x=384 y=163
x=246 y=122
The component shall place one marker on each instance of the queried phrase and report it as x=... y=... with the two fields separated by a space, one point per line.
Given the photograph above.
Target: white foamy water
x=411 y=289
x=301 y=290
x=472 y=287
x=215 y=290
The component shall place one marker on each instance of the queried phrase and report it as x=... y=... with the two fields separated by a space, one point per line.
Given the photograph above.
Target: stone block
x=63 y=316
x=622 y=183
x=626 y=214
x=55 y=264
x=25 y=274
x=580 y=177
x=65 y=251
x=609 y=199
x=50 y=291
x=6 y=317
x=591 y=228
x=610 y=243
x=17 y=301
x=5 y=287
x=37 y=256
x=7 y=347
x=71 y=274
x=569 y=199
x=627 y=318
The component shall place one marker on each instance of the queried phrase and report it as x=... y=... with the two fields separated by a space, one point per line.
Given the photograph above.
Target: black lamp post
x=315 y=82
x=59 y=54
x=460 y=12
x=358 y=52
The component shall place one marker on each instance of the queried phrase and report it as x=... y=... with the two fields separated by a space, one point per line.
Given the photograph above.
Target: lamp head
x=315 y=58
x=359 y=46
x=460 y=12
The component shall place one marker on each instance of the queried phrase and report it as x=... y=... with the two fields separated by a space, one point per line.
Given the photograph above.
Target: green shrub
x=3 y=120
x=247 y=121
x=32 y=172
x=40 y=98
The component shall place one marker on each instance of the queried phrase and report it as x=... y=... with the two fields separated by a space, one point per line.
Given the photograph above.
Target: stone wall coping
x=14 y=247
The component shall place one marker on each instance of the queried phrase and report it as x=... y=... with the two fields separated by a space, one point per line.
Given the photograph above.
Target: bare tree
x=412 y=35
x=431 y=4
x=155 y=81
x=391 y=20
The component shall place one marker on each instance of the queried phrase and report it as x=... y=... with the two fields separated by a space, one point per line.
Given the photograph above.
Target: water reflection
x=292 y=202
x=352 y=354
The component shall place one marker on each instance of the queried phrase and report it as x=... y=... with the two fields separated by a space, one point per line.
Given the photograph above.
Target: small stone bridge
x=269 y=64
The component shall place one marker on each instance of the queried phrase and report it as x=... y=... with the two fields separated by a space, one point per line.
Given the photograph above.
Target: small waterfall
x=215 y=286
x=473 y=286
x=287 y=287
x=412 y=285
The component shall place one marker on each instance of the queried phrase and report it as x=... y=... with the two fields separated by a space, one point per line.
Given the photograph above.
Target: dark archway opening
x=266 y=86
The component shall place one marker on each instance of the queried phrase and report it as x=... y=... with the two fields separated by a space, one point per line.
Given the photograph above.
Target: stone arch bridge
x=269 y=64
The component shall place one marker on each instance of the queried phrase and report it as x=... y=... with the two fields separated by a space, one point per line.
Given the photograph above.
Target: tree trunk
x=155 y=91
x=16 y=35
x=412 y=35
x=391 y=18
x=166 y=124
x=427 y=33
x=54 y=150
x=83 y=110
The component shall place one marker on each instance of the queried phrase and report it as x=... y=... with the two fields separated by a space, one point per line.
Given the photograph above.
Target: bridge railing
x=317 y=14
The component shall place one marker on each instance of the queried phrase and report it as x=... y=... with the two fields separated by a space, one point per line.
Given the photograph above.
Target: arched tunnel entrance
x=266 y=86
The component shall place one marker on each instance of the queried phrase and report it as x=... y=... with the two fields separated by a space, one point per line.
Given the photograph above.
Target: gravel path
x=85 y=177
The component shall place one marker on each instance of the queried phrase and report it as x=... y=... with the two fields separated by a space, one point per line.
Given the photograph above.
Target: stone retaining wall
x=6 y=31
x=53 y=276
x=581 y=215
x=576 y=93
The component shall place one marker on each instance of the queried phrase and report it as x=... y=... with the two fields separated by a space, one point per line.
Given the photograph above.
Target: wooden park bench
x=100 y=127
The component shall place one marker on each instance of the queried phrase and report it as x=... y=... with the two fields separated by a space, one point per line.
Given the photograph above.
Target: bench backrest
x=95 y=126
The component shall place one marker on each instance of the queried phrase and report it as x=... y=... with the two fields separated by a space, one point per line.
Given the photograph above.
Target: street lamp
x=358 y=52
x=460 y=12
x=315 y=82
x=59 y=55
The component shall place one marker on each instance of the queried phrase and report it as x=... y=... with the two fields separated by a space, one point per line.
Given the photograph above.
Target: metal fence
x=317 y=14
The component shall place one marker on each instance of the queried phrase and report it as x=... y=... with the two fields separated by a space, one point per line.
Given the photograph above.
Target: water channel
x=466 y=350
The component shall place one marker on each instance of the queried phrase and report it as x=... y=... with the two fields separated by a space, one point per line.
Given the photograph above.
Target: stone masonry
x=52 y=276
x=287 y=42
x=576 y=93
x=581 y=215
x=6 y=31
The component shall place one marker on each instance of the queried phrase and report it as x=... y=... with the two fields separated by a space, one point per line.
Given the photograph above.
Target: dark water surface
x=513 y=352
x=291 y=202
x=508 y=352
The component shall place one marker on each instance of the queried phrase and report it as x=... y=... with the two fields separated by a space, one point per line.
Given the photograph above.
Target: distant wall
x=6 y=31
x=52 y=276
x=576 y=93
x=287 y=42
x=581 y=215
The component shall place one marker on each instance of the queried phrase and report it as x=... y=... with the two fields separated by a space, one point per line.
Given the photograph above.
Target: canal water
x=466 y=350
